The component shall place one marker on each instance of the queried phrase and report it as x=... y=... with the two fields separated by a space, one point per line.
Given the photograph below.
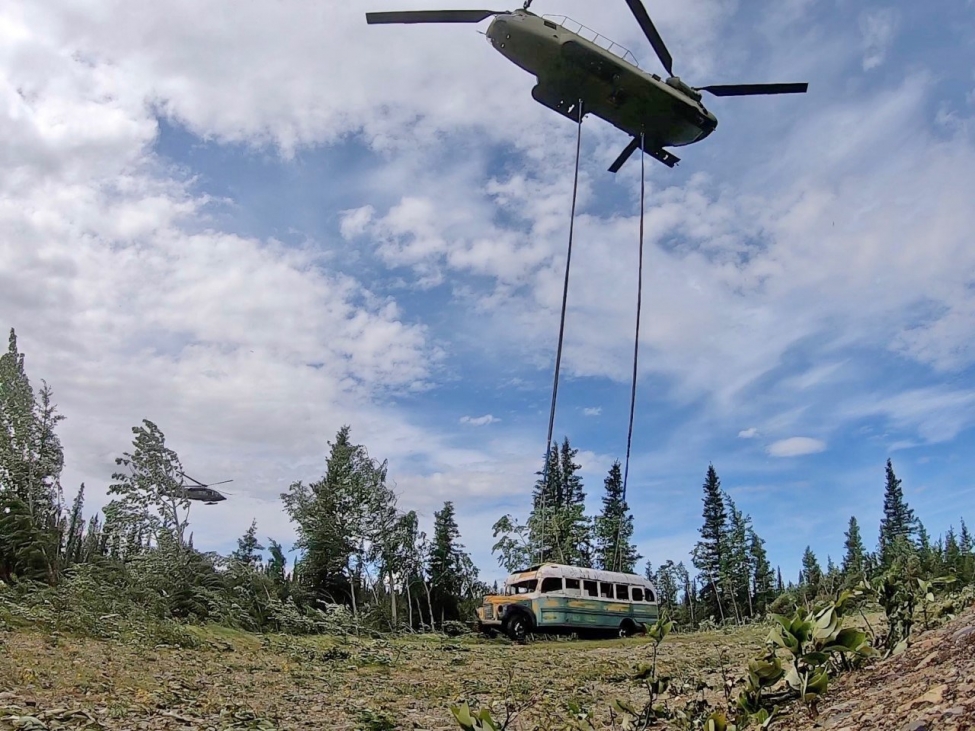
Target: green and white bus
x=556 y=598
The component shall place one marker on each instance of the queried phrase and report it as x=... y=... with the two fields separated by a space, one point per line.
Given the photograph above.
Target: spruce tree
x=812 y=573
x=899 y=523
x=445 y=563
x=559 y=528
x=709 y=553
x=248 y=547
x=614 y=527
x=852 y=565
x=76 y=529
x=276 y=566
x=763 y=577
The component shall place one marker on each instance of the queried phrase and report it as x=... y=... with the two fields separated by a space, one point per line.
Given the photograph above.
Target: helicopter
x=572 y=70
x=204 y=493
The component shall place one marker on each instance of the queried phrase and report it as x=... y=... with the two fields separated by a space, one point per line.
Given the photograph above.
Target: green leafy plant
x=474 y=721
x=900 y=593
x=816 y=646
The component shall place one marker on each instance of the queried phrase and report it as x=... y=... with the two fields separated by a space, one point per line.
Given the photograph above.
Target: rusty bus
x=557 y=598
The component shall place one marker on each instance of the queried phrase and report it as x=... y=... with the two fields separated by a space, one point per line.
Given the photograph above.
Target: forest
x=365 y=562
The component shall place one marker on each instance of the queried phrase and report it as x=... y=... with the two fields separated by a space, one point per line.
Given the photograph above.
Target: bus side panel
x=550 y=612
x=584 y=613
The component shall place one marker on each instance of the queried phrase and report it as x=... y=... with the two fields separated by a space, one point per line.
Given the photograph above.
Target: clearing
x=239 y=681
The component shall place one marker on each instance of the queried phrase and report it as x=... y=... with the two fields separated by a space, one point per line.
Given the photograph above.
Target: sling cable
x=617 y=559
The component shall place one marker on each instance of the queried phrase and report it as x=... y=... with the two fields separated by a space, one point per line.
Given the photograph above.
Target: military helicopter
x=571 y=68
x=204 y=493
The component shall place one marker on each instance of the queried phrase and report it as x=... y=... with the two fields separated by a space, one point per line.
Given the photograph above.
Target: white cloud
x=796 y=447
x=878 y=28
x=479 y=420
x=593 y=411
x=748 y=433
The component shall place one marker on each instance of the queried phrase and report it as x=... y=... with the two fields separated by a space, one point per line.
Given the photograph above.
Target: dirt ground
x=238 y=681
x=931 y=687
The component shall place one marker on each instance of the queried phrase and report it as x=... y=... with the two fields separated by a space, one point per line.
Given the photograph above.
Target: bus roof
x=577 y=572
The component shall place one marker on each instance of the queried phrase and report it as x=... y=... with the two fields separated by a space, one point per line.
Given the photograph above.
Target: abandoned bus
x=557 y=598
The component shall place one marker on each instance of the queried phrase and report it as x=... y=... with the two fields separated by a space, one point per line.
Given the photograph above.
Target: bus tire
x=628 y=628
x=517 y=627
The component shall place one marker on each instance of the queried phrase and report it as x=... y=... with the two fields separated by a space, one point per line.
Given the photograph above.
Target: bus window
x=523 y=587
x=650 y=596
x=590 y=588
x=572 y=585
x=637 y=594
x=623 y=592
x=605 y=590
x=551 y=583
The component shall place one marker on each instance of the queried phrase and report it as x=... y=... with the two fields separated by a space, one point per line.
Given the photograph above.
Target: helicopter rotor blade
x=223 y=482
x=431 y=16
x=625 y=155
x=643 y=18
x=754 y=89
x=190 y=478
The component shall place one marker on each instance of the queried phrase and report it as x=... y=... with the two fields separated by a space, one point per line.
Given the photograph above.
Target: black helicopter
x=204 y=493
x=571 y=68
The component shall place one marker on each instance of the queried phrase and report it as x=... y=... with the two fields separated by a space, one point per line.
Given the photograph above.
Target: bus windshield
x=523 y=587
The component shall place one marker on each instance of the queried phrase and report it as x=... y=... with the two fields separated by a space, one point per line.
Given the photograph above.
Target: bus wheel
x=627 y=629
x=518 y=628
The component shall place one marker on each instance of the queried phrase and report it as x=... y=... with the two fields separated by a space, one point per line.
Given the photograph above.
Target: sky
x=253 y=222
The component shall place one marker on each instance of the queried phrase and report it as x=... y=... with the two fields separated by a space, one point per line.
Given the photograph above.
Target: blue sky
x=252 y=223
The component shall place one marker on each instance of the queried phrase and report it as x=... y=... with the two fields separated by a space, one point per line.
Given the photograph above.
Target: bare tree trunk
x=392 y=601
x=433 y=623
x=717 y=599
x=409 y=604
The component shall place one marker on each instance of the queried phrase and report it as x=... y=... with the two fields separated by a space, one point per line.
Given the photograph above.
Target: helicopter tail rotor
x=431 y=16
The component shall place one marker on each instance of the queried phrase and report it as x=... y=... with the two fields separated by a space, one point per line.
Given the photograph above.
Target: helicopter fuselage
x=570 y=68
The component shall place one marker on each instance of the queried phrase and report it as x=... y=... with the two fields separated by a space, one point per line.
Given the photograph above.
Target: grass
x=235 y=680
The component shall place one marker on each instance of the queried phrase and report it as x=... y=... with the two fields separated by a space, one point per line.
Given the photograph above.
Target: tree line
x=363 y=562
x=360 y=554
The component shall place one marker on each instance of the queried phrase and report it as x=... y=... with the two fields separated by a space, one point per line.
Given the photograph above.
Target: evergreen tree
x=853 y=560
x=76 y=529
x=31 y=460
x=614 y=527
x=558 y=525
x=812 y=573
x=898 y=522
x=276 y=567
x=448 y=566
x=763 y=577
x=709 y=553
x=248 y=547
x=779 y=585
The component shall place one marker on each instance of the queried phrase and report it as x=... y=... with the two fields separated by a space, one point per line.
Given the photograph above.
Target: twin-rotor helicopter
x=571 y=69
